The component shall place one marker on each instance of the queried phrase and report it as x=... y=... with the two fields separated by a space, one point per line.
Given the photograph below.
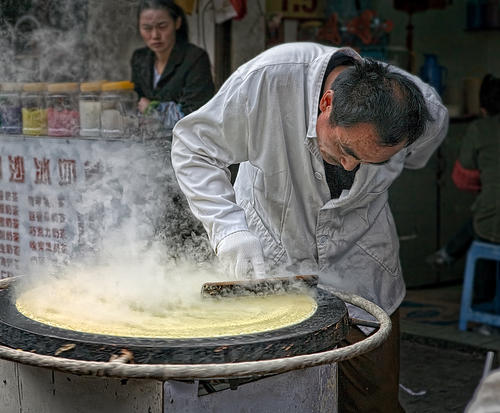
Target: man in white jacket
x=320 y=134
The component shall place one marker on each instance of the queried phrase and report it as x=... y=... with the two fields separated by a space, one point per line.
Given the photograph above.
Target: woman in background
x=172 y=76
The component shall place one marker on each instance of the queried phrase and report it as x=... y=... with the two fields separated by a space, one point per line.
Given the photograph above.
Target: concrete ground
x=440 y=365
x=436 y=379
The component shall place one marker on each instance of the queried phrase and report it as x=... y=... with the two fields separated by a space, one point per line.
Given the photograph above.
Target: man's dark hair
x=173 y=9
x=369 y=92
x=489 y=94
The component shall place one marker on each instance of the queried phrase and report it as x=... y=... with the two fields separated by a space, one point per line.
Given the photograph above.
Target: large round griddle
x=322 y=331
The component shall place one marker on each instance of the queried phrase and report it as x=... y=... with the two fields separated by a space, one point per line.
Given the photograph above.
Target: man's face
x=348 y=147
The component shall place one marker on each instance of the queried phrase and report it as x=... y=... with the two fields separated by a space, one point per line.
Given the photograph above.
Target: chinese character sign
x=42 y=184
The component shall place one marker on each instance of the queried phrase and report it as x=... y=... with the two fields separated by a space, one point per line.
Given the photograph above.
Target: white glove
x=241 y=252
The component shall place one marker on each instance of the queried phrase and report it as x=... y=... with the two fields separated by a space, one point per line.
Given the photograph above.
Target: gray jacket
x=264 y=117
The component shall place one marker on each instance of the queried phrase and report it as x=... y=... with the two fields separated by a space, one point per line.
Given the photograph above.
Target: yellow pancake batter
x=70 y=305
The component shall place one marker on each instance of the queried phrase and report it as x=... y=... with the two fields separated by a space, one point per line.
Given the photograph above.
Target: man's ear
x=178 y=23
x=326 y=100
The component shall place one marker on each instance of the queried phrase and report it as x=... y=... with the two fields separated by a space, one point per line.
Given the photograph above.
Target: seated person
x=171 y=76
x=478 y=169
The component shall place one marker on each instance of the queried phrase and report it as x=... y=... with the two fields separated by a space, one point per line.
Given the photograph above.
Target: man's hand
x=241 y=253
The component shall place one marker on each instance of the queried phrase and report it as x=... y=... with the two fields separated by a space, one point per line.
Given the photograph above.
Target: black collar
x=175 y=59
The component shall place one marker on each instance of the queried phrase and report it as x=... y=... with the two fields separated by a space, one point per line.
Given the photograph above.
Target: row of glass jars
x=91 y=109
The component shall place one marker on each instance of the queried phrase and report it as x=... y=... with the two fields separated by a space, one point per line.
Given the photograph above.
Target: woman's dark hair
x=173 y=9
x=369 y=92
x=489 y=94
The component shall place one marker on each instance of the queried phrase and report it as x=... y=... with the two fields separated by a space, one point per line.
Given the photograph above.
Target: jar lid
x=92 y=86
x=35 y=87
x=125 y=85
x=11 y=87
x=62 y=87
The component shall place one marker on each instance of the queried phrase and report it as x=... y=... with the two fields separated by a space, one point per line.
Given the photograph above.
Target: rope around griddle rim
x=118 y=369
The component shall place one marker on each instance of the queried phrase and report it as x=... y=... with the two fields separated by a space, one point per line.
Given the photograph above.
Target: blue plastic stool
x=487 y=313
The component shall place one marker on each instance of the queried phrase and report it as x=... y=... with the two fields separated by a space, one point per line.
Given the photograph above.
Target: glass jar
x=34 y=110
x=119 y=116
x=90 y=109
x=10 y=108
x=63 y=118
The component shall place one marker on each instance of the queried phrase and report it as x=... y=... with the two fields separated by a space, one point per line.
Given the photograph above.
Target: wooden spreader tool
x=263 y=286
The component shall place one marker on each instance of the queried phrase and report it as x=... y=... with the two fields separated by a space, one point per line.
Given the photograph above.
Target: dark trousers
x=370 y=382
x=485 y=282
x=458 y=245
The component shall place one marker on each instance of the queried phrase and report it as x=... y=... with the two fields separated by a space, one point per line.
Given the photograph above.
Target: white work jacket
x=264 y=117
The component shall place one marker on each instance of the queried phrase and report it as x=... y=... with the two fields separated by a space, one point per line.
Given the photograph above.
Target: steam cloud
x=135 y=226
x=66 y=40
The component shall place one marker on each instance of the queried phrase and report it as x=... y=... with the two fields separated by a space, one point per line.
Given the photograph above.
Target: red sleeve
x=466 y=179
x=240 y=7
